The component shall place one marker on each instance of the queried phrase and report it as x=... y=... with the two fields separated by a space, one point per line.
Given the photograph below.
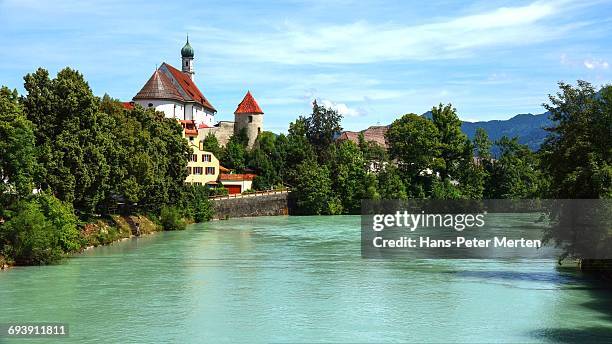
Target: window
x=150 y=104
x=194 y=158
x=258 y=130
x=250 y=119
x=210 y=170
x=188 y=170
x=206 y=158
x=190 y=138
x=197 y=170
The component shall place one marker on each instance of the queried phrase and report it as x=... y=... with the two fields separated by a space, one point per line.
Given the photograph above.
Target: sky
x=371 y=60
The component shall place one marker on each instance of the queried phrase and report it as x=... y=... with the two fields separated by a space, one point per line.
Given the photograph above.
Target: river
x=298 y=280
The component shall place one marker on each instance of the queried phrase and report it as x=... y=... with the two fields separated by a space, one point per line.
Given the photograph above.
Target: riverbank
x=115 y=228
x=105 y=231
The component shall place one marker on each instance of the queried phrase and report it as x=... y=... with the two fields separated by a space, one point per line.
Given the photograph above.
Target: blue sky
x=372 y=60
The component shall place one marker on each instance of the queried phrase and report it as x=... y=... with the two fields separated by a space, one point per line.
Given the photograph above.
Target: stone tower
x=187 y=56
x=249 y=116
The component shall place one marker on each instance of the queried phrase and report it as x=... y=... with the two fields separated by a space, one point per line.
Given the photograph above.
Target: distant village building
x=374 y=134
x=175 y=93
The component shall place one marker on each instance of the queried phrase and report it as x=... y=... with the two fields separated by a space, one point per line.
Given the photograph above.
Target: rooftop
x=248 y=105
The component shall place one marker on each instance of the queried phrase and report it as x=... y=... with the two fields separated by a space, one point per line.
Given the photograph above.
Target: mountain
x=527 y=127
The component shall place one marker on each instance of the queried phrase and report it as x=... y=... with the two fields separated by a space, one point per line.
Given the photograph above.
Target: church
x=175 y=93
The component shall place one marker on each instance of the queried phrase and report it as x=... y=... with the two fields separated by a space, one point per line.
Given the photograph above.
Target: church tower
x=248 y=116
x=187 y=56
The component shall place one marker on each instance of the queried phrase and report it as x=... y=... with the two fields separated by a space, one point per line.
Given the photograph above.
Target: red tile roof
x=372 y=134
x=159 y=86
x=248 y=105
x=189 y=127
x=189 y=88
x=236 y=177
x=128 y=105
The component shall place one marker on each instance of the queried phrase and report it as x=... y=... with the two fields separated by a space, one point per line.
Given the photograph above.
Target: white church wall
x=201 y=115
x=170 y=108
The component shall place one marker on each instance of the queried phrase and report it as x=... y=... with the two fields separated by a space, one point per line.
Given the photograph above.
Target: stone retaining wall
x=261 y=205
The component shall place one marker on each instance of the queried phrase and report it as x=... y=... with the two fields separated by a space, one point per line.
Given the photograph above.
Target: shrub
x=61 y=215
x=30 y=238
x=171 y=219
x=203 y=210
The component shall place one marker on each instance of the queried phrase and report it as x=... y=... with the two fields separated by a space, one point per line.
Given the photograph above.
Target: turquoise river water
x=297 y=280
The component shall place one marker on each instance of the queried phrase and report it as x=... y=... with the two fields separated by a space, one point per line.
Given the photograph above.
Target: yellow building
x=203 y=166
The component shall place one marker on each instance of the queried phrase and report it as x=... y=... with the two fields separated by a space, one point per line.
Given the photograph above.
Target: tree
x=375 y=156
x=482 y=145
x=61 y=216
x=472 y=172
x=313 y=190
x=211 y=144
x=234 y=154
x=390 y=184
x=577 y=155
x=321 y=128
x=39 y=230
x=349 y=182
x=293 y=150
x=264 y=159
x=147 y=162
x=515 y=173
x=71 y=135
x=18 y=166
x=29 y=237
x=413 y=141
x=451 y=139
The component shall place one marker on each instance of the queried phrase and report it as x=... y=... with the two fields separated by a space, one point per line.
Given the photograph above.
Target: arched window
x=150 y=104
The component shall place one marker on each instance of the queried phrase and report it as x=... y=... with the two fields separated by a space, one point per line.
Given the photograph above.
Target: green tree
x=171 y=218
x=18 y=166
x=390 y=184
x=375 y=155
x=293 y=150
x=211 y=144
x=234 y=154
x=195 y=203
x=515 y=173
x=349 y=176
x=577 y=155
x=71 y=135
x=321 y=128
x=29 y=238
x=451 y=140
x=482 y=144
x=38 y=230
x=413 y=141
x=61 y=216
x=147 y=162
x=313 y=190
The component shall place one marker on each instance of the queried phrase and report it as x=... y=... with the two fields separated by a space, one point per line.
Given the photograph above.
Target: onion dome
x=187 y=50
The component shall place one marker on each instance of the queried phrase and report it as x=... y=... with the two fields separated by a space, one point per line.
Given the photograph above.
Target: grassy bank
x=116 y=227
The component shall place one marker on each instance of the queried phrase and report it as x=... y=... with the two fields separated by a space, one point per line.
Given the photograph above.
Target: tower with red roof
x=249 y=117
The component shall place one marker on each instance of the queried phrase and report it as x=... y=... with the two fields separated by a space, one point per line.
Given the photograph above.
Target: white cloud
x=342 y=108
x=596 y=64
x=364 y=42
